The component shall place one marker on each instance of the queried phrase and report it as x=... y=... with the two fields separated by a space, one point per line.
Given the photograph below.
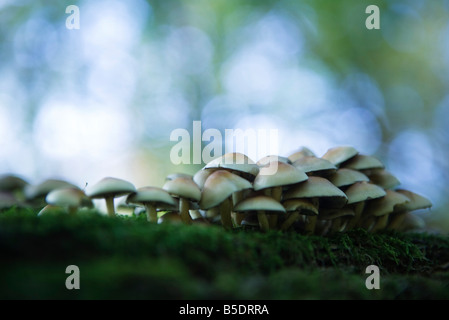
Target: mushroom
x=186 y=190
x=70 y=198
x=358 y=194
x=13 y=184
x=417 y=202
x=109 y=188
x=270 y=158
x=151 y=198
x=338 y=155
x=218 y=190
x=237 y=163
x=382 y=178
x=262 y=205
x=377 y=211
x=273 y=177
x=362 y=162
x=344 y=177
x=321 y=192
x=50 y=209
x=315 y=166
x=335 y=219
x=302 y=152
x=37 y=193
x=201 y=176
x=295 y=208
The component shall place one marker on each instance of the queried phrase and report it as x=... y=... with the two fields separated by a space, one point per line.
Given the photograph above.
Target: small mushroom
x=382 y=178
x=362 y=162
x=70 y=198
x=270 y=158
x=338 y=155
x=335 y=219
x=296 y=208
x=13 y=184
x=218 y=190
x=273 y=177
x=302 y=152
x=358 y=194
x=109 y=188
x=344 y=177
x=237 y=163
x=151 y=198
x=416 y=202
x=321 y=192
x=263 y=206
x=186 y=190
x=378 y=210
x=315 y=166
x=36 y=193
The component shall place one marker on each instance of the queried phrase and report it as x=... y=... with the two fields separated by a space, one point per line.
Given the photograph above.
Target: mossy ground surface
x=128 y=258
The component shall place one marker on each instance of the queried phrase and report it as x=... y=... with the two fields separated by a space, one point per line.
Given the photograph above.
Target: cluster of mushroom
x=337 y=192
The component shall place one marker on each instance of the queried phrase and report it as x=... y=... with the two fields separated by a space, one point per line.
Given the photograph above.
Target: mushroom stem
x=381 y=223
x=276 y=194
x=110 y=206
x=72 y=210
x=311 y=221
x=335 y=225
x=236 y=198
x=225 y=213
x=151 y=213
x=184 y=207
x=263 y=221
x=358 y=209
x=293 y=217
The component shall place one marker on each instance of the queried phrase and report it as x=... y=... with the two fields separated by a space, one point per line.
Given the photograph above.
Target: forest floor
x=128 y=258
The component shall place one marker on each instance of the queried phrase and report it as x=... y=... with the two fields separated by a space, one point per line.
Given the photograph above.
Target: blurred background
x=102 y=100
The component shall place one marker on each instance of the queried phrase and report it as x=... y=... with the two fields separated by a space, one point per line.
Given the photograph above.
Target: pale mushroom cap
x=259 y=203
x=270 y=158
x=108 y=187
x=173 y=176
x=151 y=195
x=383 y=178
x=201 y=176
x=10 y=182
x=305 y=206
x=362 y=191
x=235 y=161
x=71 y=197
x=285 y=174
x=43 y=188
x=416 y=201
x=220 y=185
x=312 y=164
x=387 y=204
x=184 y=188
x=317 y=187
x=340 y=154
x=363 y=162
x=50 y=209
x=302 y=152
x=344 y=177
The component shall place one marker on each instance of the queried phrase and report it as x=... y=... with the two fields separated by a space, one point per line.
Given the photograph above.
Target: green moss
x=126 y=257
